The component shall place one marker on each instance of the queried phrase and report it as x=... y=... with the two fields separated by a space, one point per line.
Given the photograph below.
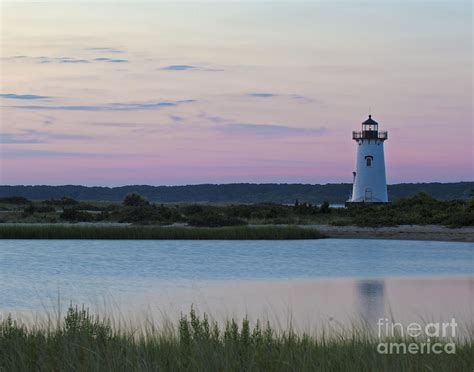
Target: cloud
x=269 y=130
x=9 y=153
x=66 y=60
x=10 y=138
x=110 y=60
x=262 y=95
x=12 y=153
x=10 y=58
x=213 y=118
x=176 y=119
x=106 y=50
x=21 y=96
x=118 y=125
x=34 y=136
x=298 y=96
x=48 y=120
x=109 y=107
x=271 y=95
x=189 y=68
x=72 y=60
x=179 y=68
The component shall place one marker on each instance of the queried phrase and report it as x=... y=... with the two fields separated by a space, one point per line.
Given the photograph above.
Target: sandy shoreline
x=403 y=232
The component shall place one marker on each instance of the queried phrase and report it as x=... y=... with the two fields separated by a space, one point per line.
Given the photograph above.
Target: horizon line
x=230 y=183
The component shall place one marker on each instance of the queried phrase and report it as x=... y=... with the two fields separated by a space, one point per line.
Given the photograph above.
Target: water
x=335 y=278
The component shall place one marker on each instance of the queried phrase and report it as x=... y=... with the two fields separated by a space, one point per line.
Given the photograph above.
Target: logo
x=426 y=339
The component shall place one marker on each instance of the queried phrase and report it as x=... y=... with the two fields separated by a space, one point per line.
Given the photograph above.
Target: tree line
x=235 y=193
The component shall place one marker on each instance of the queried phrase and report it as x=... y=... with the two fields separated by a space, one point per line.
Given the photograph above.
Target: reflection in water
x=346 y=280
x=370 y=300
x=308 y=305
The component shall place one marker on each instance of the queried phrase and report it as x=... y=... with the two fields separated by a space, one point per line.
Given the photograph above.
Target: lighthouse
x=370 y=184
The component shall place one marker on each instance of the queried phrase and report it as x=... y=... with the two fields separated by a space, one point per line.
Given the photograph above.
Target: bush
x=29 y=210
x=192 y=209
x=88 y=207
x=135 y=200
x=325 y=208
x=215 y=220
x=74 y=215
x=305 y=209
x=65 y=201
x=79 y=323
x=14 y=200
x=143 y=214
x=240 y=211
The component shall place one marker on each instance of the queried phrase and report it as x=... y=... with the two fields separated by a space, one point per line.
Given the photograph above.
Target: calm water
x=334 y=278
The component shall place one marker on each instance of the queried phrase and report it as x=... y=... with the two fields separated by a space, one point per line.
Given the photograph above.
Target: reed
x=83 y=342
x=156 y=232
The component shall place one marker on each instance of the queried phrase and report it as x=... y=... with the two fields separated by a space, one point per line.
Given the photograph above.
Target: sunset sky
x=115 y=93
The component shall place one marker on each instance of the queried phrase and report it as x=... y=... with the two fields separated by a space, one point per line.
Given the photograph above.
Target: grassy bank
x=156 y=232
x=82 y=342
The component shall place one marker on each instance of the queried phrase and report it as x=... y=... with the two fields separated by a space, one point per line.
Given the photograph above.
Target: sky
x=115 y=93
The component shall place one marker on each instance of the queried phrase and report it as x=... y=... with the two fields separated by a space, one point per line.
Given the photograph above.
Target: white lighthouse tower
x=370 y=184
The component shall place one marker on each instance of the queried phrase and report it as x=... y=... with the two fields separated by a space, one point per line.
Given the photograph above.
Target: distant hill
x=235 y=192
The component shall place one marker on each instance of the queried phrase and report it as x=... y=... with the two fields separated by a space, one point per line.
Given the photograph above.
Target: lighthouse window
x=368 y=160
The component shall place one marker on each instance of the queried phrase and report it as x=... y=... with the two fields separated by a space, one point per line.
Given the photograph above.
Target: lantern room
x=370 y=130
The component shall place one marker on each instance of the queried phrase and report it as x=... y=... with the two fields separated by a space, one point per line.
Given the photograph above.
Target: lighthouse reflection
x=370 y=296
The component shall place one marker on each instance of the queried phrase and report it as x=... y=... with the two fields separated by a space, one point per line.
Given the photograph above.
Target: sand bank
x=404 y=232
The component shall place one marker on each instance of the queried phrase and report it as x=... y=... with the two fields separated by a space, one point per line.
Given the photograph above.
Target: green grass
x=156 y=232
x=82 y=342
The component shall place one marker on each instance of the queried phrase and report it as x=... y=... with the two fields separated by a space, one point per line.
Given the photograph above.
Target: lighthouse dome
x=370 y=121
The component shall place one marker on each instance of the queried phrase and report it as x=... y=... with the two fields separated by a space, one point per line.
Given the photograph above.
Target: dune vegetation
x=420 y=209
x=83 y=342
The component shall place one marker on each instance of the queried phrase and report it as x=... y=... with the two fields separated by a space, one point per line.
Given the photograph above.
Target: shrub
x=305 y=209
x=74 y=215
x=14 y=200
x=135 y=200
x=88 y=207
x=325 y=208
x=215 y=220
x=65 y=201
x=81 y=323
x=29 y=210
x=240 y=211
x=192 y=209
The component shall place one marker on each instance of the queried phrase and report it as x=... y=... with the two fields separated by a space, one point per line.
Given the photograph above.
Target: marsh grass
x=157 y=232
x=83 y=342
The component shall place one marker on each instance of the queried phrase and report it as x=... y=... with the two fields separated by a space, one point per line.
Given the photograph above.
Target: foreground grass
x=82 y=342
x=156 y=232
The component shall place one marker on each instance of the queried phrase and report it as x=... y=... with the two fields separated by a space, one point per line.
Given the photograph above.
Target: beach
x=401 y=232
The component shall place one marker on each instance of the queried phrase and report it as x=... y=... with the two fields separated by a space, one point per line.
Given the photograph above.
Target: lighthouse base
x=349 y=204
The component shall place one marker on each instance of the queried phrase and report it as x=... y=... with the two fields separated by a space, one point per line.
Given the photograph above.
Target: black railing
x=368 y=134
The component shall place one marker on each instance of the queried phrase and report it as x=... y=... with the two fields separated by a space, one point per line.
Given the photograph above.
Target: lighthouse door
x=368 y=194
